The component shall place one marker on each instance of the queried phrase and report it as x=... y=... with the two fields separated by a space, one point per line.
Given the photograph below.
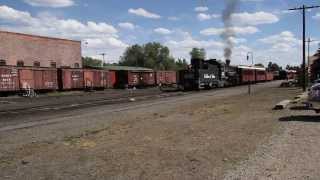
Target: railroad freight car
x=96 y=78
x=247 y=74
x=260 y=74
x=112 y=79
x=38 y=79
x=70 y=79
x=147 y=79
x=166 y=78
x=9 y=79
x=269 y=76
x=129 y=77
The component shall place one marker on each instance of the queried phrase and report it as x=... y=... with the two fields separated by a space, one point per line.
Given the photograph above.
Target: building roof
x=250 y=67
x=126 y=68
x=38 y=36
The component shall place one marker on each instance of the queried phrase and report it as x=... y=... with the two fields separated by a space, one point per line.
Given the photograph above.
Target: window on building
x=76 y=65
x=3 y=62
x=53 y=64
x=20 y=63
x=36 y=64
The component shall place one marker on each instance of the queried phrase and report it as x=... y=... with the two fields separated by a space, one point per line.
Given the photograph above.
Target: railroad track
x=90 y=103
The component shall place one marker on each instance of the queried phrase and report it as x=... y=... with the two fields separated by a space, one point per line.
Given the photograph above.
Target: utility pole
x=103 y=55
x=303 y=8
x=309 y=41
x=253 y=73
x=102 y=65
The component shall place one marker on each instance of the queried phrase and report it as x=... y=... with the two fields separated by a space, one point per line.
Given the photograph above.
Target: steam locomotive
x=212 y=73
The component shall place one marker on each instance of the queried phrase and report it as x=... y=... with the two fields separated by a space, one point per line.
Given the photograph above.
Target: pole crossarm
x=303 y=7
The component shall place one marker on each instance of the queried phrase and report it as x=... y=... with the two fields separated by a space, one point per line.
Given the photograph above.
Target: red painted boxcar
x=9 y=79
x=260 y=74
x=147 y=78
x=269 y=76
x=112 y=79
x=132 y=76
x=247 y=74
x=166 y=77
x=70 y=79
x=38 y=78
x=95 y=78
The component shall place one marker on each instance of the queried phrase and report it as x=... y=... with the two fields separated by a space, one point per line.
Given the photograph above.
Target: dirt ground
x=205 y=136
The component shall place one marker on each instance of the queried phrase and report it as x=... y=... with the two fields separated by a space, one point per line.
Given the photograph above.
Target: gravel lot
x=210 y=135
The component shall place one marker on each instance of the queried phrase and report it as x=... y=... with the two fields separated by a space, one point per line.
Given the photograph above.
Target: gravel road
x=209 y=135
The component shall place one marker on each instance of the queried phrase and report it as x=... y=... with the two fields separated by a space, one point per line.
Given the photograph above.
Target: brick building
x=18 y=49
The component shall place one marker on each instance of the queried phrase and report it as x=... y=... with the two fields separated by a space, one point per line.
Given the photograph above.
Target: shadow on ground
x=306 y=118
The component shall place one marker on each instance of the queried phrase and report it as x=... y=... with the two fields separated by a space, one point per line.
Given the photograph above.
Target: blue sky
x=109 y=26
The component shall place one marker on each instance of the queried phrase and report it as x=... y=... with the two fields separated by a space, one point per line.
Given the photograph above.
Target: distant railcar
x=38 y=79
x=269 y=76
x=260 y=74
x=111 y=79
x=95 y=78
x=70 y=79
x=166 y=77
x=9 y=79
x=247 y=74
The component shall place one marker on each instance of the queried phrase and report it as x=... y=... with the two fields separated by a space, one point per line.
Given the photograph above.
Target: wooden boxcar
x=269 y=76
x=166 y=77
x=128 y=77
x=9 y=79
x=38 y=78
x=95 y=78
x=112 y=79
x=247 y=74
x=147 y=79
x=260 y=75
x=70 y=79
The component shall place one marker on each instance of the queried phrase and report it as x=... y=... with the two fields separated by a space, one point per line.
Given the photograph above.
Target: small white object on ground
x=282 y=105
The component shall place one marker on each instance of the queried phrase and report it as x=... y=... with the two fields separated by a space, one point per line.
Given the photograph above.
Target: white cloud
x=254 y=18
x=284 y=42
x=11 y=15
x=203 y=16
x=231 y=30
x=101 y=37
x=127 y=25
x=144 y=13
x=50 y=3
x=201 y=9
x=162 y=31
x=181 y=44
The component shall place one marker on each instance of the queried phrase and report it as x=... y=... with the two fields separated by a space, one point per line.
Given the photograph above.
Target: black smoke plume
x=228 y=33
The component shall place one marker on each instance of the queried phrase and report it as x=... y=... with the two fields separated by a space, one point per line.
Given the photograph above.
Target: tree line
x=157 y=56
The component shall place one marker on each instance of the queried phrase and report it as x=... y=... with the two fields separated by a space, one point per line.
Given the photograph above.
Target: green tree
x=151 y=55
x=181 y=64
x=91 y=62
x=133 y=56
x=198 y=53
x=273 y=67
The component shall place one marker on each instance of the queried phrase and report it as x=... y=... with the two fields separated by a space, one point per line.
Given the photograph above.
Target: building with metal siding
x=18 y=49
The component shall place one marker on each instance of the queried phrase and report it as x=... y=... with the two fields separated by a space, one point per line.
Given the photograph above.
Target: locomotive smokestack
x=228 y=61
x=228 y=33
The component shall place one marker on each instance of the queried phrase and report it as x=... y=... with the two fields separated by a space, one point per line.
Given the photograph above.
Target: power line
x=303 y=8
